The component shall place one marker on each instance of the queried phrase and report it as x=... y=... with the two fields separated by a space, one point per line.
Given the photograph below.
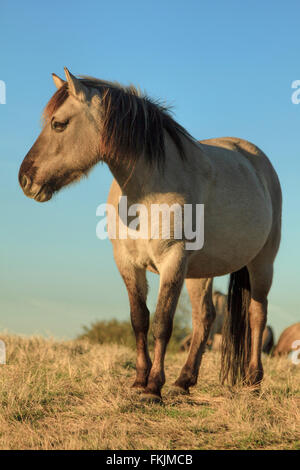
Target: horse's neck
x=138 y=179
x=131 y=178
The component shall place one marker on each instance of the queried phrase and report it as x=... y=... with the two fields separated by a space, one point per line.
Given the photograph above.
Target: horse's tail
x=236 y=339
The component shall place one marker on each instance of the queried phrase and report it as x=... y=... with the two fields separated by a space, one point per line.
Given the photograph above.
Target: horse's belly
x=201 y=265
x=231 y=245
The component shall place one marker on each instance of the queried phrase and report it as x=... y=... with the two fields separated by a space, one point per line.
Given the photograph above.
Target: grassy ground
x=74 y=395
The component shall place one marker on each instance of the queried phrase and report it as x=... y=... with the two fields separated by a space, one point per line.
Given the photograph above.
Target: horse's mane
x=133 y=123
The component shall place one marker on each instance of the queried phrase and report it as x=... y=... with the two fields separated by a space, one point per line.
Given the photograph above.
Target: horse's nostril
x=24 y=181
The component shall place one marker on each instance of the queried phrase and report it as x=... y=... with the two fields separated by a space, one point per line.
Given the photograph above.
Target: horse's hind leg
x=136 y=284
x=260 y=281
x=261 y=275
x=203 y=314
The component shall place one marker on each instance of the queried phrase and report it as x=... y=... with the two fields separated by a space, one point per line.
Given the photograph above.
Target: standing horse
x=216 y=330
x=155 y=161
x=285 y=343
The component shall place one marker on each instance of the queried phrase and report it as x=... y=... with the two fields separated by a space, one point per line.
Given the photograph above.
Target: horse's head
x=68 y=145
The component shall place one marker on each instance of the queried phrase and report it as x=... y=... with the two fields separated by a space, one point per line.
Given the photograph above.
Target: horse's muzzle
x=40 y=193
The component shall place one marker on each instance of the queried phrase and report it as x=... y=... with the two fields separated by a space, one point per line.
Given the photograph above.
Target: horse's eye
x=58 y=126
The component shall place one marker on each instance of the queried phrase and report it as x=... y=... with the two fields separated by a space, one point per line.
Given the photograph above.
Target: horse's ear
x=58 y=82
x=76 y=88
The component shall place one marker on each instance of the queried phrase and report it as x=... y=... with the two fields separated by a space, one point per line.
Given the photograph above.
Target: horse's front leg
x=136 y=284
x=203 y=314
x=171 y=279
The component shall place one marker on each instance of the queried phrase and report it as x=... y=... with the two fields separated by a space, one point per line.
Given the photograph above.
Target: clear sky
x=226 y=66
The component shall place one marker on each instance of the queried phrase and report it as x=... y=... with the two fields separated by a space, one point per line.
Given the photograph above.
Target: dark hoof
x=176 y=390
x=138 y=386
x=147 y=397
x=253 y=380
x=254 y=388
x=137 y=389
x=254 y=376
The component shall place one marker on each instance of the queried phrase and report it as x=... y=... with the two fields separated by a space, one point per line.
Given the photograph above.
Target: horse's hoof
x=254 y=388
x=147 y=397
x=137 y=388
x=175 y=390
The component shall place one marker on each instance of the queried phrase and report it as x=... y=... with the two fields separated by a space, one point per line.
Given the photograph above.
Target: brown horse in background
x=154 y=160
x=286 y=340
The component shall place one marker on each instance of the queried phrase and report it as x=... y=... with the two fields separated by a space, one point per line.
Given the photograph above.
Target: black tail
x=236 y=342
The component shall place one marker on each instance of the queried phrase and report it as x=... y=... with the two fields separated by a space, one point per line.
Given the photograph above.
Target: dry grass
x=74 y=395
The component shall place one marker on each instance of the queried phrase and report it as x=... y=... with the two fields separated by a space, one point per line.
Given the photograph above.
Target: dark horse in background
x=155 y=161
x=215 y=335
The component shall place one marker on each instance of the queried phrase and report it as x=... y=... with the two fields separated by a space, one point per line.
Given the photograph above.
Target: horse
x=268 y=340
x=155 y=161
x=288 y=337
x=215 y=334
x=220 y=304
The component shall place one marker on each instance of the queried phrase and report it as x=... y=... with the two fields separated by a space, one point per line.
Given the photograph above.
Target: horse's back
x=287 y=338
x=257 y=158
x=264 y=170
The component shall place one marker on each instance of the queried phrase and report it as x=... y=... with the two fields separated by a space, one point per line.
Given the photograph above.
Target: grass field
x=75 y=395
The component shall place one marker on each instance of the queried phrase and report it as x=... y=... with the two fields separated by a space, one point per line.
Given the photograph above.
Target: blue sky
x=227 y=67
